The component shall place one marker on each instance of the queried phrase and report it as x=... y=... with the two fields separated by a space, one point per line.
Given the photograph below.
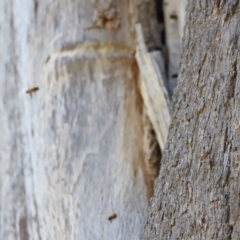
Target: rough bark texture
x=73 y=153
x=197 y=191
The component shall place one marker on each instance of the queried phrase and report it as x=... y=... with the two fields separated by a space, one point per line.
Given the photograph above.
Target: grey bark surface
x=74 y=152
x=197 y=191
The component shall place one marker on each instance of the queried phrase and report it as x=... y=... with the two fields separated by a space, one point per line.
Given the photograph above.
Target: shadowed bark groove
x=197 y=191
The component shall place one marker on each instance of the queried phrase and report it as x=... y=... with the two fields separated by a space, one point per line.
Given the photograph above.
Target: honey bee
x=31 y=90
x=112 y=217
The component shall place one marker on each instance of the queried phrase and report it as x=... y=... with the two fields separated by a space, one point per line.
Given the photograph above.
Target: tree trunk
x=74 y=150
x=197 y=191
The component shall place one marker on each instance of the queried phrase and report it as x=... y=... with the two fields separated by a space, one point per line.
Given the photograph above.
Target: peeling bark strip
x=197 y=192
x=153 y=90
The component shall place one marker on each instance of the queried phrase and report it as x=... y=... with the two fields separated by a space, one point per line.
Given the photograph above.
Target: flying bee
x=31 y=90
x=112 y=217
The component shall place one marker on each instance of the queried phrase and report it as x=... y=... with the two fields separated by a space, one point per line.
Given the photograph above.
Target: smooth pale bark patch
x=73 y=153
x=93 y=119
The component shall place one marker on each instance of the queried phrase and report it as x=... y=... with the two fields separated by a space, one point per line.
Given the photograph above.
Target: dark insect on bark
x=31 y=90
x=112 y=217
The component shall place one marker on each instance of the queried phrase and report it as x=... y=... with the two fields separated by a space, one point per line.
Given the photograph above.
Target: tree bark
x=74 y=152
x=197 y=191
